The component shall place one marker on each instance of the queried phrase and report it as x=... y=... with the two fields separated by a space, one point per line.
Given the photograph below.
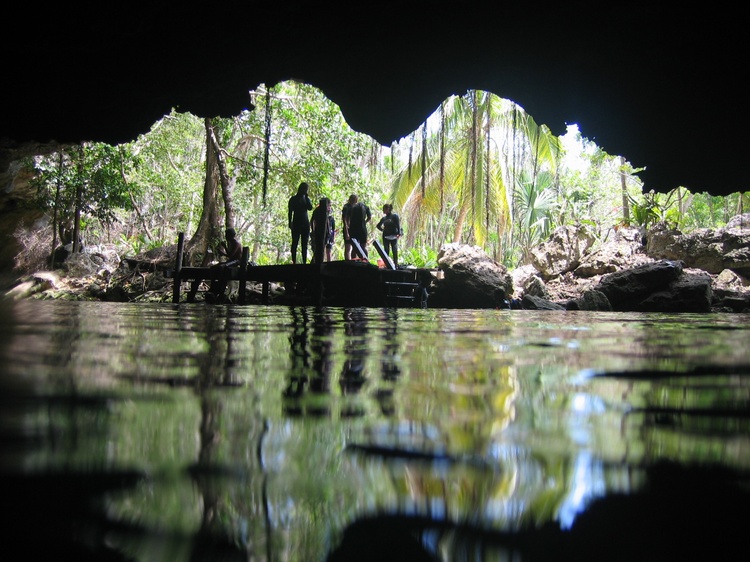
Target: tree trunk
x=460 y=223
x=442 y=156
x=208 y=229
x=55 y=214
x=79 y=205
x=227 y=184
x=625 y=202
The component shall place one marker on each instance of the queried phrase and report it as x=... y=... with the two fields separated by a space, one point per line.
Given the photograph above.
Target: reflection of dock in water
x=334 y=283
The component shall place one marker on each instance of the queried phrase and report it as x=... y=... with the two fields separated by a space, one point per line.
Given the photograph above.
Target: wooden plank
x=383 y=256
x=178 y=268
x=358 y=249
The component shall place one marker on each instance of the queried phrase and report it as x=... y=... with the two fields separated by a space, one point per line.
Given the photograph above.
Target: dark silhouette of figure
x=299 y=223
x=359 y=216
x=331 y=237
x=310 y=362
x=346 y=209
x=231 y=249
x=390 y=226
x=320 y=349
x=353 y=376
x=320 y=228
x=299 y=373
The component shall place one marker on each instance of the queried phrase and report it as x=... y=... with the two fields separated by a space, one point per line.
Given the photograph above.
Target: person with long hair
x=299 y=222
x=320 y=228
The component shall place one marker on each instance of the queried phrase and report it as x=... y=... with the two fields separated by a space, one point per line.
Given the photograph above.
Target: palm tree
x=534 y=202
x=462 y=168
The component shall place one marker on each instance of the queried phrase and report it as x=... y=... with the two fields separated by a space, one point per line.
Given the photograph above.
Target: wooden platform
x=335 y=283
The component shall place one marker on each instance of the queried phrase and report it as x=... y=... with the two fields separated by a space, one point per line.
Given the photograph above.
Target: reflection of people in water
x=390 y=362
x=391 y=370
x=300 y=356
x=353 y=375
x=311 y=361
x=320 y=348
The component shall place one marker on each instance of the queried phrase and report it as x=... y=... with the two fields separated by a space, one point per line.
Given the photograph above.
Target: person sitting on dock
x=232 y=251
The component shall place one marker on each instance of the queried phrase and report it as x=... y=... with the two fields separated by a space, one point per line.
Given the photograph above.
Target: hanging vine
x=424 y=156
x=267 y=150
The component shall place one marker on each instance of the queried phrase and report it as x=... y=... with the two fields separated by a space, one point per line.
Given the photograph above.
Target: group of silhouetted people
x=320 y=228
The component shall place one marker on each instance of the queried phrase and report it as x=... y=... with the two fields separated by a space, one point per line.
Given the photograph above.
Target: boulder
x=690 y=292
x=623 y=250
x=739 y=221
x=731 y=292
x=531 y=302
x=627 y=289
x=470 y=279
x=707 y=249
x=563 y=251
x=591 y=300
x=92 y=260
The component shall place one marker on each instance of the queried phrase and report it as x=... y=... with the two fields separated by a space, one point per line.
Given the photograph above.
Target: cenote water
x=207 y=432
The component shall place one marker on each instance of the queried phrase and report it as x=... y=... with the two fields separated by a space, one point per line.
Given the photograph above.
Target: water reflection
x=354 y=374
x=186 y=432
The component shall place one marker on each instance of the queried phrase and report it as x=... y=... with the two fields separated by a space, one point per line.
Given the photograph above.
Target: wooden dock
x=335 y=283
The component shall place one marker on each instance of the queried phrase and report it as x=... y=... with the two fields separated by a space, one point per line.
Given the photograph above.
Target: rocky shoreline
x=661 y=270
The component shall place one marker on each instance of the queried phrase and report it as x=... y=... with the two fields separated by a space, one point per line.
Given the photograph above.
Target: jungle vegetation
x=478 y=171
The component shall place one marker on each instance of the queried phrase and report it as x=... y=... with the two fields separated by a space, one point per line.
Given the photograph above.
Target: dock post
x=178 y=268
x=318 y=284
x=243 y=274
x=266 y=291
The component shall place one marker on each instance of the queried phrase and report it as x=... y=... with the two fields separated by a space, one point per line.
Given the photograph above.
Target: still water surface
x=195 y=432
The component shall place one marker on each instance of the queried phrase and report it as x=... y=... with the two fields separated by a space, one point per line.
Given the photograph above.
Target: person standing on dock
x=359 y=216
x=299 y=223
x=390 y=226
x=345 y=225
x=320 y=228
x=331 y=237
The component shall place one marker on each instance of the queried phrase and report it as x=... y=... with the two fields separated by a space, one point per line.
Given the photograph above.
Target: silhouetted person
x=331 y=237
x=390 y=226
x=359 y=216
x=231 y=250
x=299 y=223
x=346 y=209
x=320 y=228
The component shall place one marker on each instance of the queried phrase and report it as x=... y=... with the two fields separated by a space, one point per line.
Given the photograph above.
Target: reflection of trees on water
x=216 y=539
x=480 y=425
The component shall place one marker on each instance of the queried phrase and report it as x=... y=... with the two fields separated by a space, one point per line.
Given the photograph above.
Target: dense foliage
x=480 y=170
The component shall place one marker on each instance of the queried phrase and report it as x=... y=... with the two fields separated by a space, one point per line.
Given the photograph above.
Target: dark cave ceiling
x=663 y=86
